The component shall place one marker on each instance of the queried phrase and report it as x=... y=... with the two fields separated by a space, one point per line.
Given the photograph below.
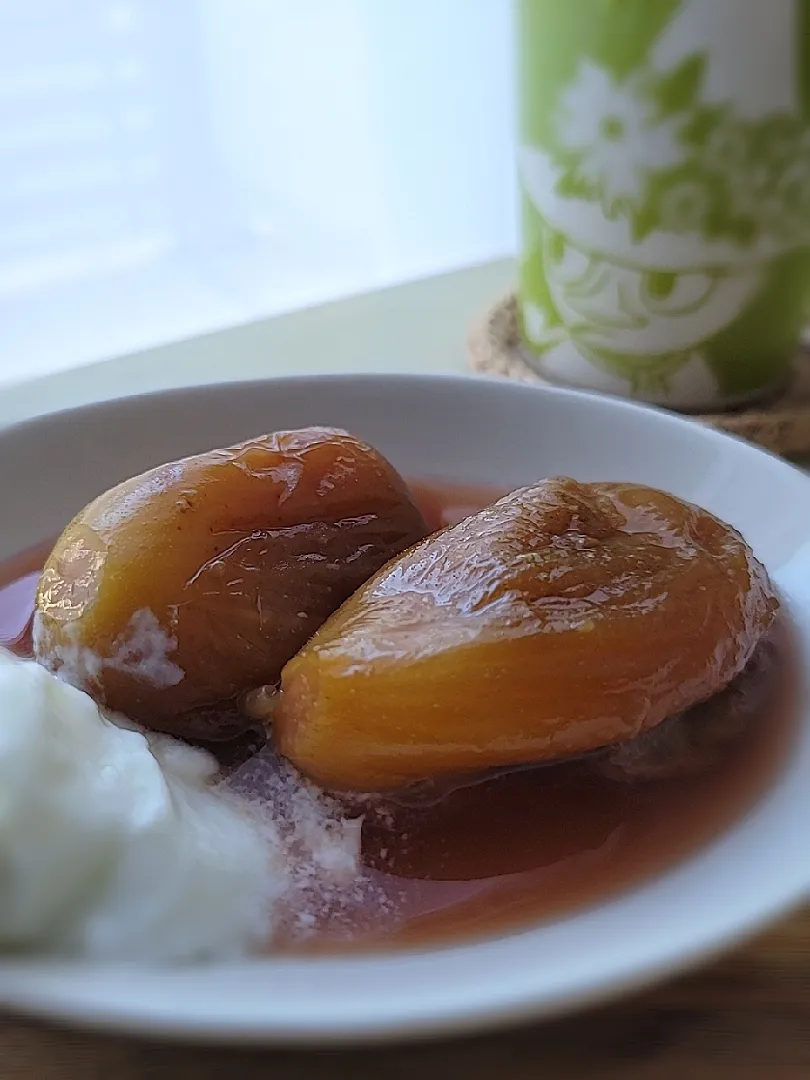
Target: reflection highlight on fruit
x=174 y=593
x=564 y=618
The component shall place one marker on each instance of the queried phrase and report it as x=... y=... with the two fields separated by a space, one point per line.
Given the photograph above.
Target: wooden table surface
x=744 y=1018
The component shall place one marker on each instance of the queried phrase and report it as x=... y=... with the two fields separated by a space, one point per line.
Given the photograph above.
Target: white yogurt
x=113 y=845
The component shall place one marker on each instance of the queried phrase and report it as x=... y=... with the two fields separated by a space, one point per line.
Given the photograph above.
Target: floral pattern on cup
x=645 y=181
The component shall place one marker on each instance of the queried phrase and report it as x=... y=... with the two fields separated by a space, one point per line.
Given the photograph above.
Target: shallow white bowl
x=471 y=430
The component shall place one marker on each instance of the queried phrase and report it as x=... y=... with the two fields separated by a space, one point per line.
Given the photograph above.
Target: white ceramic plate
x=471 y=430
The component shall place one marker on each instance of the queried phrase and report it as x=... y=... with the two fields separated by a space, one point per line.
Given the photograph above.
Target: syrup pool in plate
x=522 y=845
x=745 y=864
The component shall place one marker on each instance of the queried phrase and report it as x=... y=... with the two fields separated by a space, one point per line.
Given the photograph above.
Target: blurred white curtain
x=173 y=166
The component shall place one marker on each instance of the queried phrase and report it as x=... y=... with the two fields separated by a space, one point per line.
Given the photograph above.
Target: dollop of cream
x=115 y=845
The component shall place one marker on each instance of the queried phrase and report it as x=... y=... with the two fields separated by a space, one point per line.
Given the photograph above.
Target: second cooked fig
x=563 y=618
x=173 y=593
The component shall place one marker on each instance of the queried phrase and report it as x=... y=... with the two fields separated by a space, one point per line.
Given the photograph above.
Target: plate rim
x=110 y=1015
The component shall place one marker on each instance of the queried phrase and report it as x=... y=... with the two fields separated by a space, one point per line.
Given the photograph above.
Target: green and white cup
x=665 y=175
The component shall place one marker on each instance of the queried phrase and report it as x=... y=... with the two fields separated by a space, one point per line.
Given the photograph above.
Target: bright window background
x=169 y=167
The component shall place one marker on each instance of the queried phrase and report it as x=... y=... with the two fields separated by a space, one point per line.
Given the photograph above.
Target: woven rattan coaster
x=782 y=425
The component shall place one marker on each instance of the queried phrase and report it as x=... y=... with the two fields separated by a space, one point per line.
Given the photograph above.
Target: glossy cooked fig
x=563 y=618
x=170 y=595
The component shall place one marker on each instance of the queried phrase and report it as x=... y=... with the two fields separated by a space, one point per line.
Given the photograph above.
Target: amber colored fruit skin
x=563 y=618
x=239 y=553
